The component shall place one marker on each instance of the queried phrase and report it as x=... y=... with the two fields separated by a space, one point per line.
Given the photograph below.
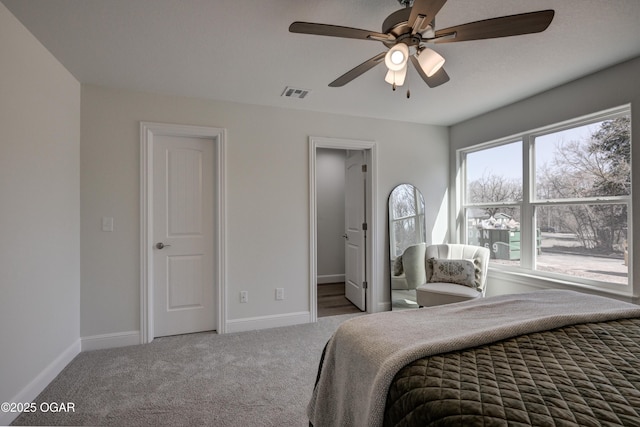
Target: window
x=406 y=214
x=494 y=195
x=554 y=201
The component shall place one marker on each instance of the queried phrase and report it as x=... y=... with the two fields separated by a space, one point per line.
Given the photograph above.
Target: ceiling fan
x=407 y=31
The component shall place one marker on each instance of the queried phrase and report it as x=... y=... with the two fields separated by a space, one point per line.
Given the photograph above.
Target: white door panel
x=183 y=235
x=353 y=264
x=185 y=281
x=355 y=235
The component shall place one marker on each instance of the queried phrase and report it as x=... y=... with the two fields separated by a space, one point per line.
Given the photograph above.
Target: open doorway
x=331 y=195
x=342 y=226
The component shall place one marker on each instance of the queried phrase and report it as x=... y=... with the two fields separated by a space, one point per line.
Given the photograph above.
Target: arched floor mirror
x=406 y=229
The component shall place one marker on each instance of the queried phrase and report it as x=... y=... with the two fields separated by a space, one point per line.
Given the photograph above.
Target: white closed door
x=355 y=233
x=183 y=240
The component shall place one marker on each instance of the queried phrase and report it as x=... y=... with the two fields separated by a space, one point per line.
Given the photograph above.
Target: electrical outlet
x=107 y=223
x=244 y=296
x=279 y=294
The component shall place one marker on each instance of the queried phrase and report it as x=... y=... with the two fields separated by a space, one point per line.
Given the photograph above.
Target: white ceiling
x=241 y=50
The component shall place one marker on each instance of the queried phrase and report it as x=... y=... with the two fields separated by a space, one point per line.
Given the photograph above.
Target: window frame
x=529 y=203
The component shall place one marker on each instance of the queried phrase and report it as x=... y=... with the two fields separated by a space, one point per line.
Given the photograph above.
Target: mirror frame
x=405 y=297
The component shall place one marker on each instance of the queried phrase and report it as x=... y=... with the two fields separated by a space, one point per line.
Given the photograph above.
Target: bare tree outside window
x=597 y=165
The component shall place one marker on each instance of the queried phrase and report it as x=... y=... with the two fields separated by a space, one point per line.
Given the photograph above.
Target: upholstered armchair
x=408 y=270
x=448 y=273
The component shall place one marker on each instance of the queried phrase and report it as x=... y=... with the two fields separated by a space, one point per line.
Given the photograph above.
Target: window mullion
x=527 y=218
x=461 y=199
x=492 y=204
x=608 y=200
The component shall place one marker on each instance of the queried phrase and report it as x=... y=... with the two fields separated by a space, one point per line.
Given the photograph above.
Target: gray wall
x=40 y=214
x=267 y=164
x=607 y=89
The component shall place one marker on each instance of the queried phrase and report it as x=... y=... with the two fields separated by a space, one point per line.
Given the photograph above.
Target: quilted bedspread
x=580 y=375
x=366 y=353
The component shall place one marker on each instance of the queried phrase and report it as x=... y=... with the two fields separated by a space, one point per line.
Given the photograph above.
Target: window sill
x=535 y=281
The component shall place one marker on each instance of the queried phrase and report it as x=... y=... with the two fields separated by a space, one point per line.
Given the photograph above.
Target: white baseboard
x=330 y=278
x=118 y=339
x=384 y=306
x=41 y=381
x=264 y=322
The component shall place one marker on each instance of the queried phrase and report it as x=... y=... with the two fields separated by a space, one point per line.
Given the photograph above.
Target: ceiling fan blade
x=426 y=8
x=357 y=71
x=440 y=77
x=336 y=31
x=504 y=26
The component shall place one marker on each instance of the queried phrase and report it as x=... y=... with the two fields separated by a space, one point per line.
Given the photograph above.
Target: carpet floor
x=256 y=378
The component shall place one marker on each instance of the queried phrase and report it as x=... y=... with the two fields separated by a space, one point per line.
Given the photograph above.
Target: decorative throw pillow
x=459 y=271
x=398 y=267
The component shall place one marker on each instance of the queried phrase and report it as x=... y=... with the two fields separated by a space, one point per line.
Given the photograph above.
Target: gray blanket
x=366 y=352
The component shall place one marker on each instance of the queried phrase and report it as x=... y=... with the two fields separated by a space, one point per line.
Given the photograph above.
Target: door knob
x=161 y=245
x=345 y=236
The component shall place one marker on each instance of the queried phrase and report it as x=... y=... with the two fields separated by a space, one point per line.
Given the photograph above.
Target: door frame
x=148 y=130
x=371 y=159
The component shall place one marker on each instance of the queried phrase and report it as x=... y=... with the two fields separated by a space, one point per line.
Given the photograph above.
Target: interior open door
x=356 y=229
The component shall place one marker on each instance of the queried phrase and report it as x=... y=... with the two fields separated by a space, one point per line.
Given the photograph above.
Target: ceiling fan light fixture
x=396 y=58
x=430 y=61
x=396 y=77
x=404 y=31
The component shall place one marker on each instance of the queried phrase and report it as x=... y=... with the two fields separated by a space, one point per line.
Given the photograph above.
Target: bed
x=542 y=358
